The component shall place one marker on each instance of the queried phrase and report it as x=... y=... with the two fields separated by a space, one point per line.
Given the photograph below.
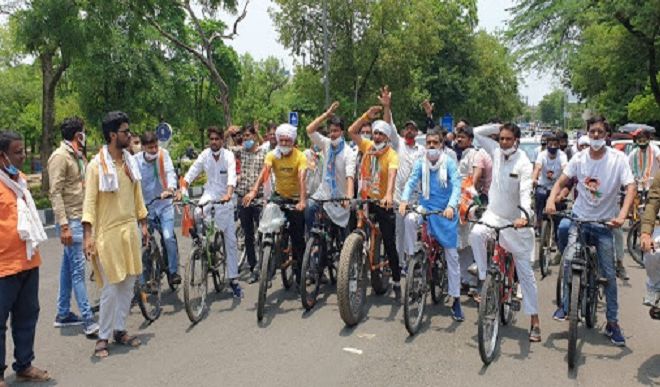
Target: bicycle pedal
x=515 y=305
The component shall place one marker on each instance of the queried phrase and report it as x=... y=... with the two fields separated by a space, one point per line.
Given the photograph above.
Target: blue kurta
x=444 y=230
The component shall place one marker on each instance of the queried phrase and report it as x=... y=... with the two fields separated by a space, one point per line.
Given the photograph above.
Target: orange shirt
x=12 y=248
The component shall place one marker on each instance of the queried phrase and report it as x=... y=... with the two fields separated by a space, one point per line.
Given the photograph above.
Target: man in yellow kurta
x=113 y=205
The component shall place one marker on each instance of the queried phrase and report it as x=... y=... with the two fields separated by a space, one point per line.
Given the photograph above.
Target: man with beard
x=66 y=172
x=113 y=206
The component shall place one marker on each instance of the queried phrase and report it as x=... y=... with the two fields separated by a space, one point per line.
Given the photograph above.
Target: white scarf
x=440 y=167
x=29 y=225
x=108 y=179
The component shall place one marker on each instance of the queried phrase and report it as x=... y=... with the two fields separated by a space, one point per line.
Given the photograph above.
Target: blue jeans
x=603 y=239
x=72 y=275
x=310 y=213
x=165 y=217
x=19 y=297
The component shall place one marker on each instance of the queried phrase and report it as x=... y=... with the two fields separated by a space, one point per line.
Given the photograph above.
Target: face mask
x=508 y=152
x=136 y=148
x=596 y=144
x=247 y=144
x=216 y=153
x=366 y=136
x=433 y=154
x=643 y=145
x=337 y=141
x=380 y=146
x=150 y=157
x=82 y=139
x=10 y=168
x=285 y=150
x=410 y=141
x=552 y=150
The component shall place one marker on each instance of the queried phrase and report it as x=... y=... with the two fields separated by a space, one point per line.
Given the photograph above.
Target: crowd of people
x=103 y=208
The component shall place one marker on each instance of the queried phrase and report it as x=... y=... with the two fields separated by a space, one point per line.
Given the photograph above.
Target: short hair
x=599 y=118
x=70 y=126
x=367 y=123
x=513 y=128
x=552 y=138
x=271 y=126
x=250 y=129
x=213 y=129
x=467 y=131
x=148 y=137
x=111 y=123
x=6 y=138
x=338 y=121
x=463 y=120
x=436 y=131
x=561 y=135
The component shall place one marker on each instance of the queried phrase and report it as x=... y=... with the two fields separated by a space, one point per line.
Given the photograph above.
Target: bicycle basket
x=272 y=219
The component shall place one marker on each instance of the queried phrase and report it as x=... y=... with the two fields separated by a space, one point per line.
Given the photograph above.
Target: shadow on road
x=649 y=372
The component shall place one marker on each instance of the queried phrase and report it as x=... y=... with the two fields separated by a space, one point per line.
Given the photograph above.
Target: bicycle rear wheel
x=573 y=318
x=265 y=274
x=240 y=243
x=509 y=287
x=544 y=251
x=219 y=270
x=310 y=273
x=352 y=280
x=380 y=275
x=438 y=279
x=287 y=270
x=559 y=287
x=149 y=292
x=415 y=293
x=632 y=242
x=195 y=284
x=488 y=321
x=591 y=299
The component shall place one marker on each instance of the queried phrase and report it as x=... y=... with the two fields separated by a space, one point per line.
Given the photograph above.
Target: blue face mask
x=11 y=168
x=248 y=144
x=552 y=150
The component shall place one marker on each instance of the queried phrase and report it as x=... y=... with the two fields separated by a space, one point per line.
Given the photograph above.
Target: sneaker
x=396 y=287
x=621 y=271
x=651 y=297
x=236 y=289
x=559 y=315
x=614 y=332
x=175 y=279
x=456 y=311
x=70 y=320
x=254 y=277
x=91 y=328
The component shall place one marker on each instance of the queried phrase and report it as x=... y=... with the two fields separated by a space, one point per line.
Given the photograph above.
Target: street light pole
x=326 y=80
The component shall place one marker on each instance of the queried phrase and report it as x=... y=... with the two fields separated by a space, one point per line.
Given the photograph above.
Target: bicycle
x=427 y=270
x=362 y=252
x=583 y=284
x=275 y=248
x=498 y=303
x=321 y=251
x=207 y=259
x=547 y=242
x=634 y=233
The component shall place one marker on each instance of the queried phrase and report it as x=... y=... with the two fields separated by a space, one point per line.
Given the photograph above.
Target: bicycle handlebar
x=570 y=217
x=498 y=228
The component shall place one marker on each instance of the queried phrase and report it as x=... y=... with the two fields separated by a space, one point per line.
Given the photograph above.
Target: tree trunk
x=653 y=73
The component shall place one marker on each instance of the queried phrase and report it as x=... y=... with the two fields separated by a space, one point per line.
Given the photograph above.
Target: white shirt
x=598 y=183
x=220 y=173
x=407 y=157
x=344 y=167
x=551 y=167
x=511 y=185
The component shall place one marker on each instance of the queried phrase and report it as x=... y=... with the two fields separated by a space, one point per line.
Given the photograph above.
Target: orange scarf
x=369 y=172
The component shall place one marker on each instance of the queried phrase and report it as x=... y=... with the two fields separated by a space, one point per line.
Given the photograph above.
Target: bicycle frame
x=368 y=227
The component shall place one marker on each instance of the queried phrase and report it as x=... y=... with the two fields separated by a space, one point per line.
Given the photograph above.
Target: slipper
x=32 y=374
x=101 y=349
x=535 y=334
x=654 y=312
x=123 y=338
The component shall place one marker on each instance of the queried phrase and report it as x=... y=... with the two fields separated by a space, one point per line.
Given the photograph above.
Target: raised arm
x=318 y=121
x=428 y=110
x=368 y=116
x=482 y=133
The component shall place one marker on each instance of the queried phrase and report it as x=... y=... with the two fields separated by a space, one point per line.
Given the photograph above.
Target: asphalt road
x=292 y=348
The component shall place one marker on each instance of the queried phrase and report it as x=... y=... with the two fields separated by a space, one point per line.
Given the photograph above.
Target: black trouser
x=296 y=231
x=249 y=216
x=19 y=296
x=386 y=222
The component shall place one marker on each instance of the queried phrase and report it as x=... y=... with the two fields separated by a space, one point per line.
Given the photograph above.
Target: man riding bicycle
x=547 y=169
x=599 y=172
x=338 y=169
x=219 y=165
x=159 y=181
x=441 y=190
x=510 y=188
x=650 y=244
x=288 y=165
x=377 y=176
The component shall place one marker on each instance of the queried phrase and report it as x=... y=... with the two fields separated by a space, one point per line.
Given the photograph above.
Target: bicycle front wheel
x=573 y=318
x=380 y=275
x=543 y=252
x=265 y=274
x=150 y=291
x=195 y=284
x=633 y=244
x=488 y=322
x=219 y=270
x=352 y=280
x=438 y=279
x=310 y=273
x=415 y=293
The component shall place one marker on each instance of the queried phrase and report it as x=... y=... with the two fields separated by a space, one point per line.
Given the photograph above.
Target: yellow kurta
x=114 y=216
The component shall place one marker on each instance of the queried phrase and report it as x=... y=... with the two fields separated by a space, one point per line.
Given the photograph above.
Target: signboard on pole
x=293 y=118
x=447 y=122
x=164 y=134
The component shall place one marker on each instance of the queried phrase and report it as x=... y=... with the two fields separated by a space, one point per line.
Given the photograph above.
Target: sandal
x=654 y=312
x=535 y=334
x=101 y=349
x=123 y=338
x=32 y=374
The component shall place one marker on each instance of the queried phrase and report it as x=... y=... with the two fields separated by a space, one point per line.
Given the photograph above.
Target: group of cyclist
x=446 y=174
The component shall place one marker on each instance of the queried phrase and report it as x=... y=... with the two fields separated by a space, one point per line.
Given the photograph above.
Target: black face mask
x=643 y=146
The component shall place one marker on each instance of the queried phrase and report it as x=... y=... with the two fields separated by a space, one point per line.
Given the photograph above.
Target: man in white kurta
x=219 y=165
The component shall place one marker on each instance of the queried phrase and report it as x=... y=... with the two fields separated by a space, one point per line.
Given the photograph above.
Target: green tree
x=551 y=108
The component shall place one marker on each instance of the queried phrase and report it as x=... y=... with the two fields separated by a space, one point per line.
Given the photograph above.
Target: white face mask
x=366 y=136
x=379 y=146
x=150 y=157
x=336 y=141
x=82 y=139
x=596 y=144
x=509 y=152
x=285 y=150
x=433 y=154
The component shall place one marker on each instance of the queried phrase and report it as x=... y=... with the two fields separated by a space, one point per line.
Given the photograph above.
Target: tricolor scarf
x=108 y=179
x=643 y=163
x=331 y=175
x=440 y=167
x=159 y=169
x=370 y=172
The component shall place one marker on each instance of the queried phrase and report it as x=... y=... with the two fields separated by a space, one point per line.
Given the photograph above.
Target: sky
x=257 y=35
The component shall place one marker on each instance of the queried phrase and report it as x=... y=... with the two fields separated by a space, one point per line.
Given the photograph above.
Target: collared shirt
x=220 y=173
x=251 y=166
x=13 y=249
x=407 y=157
x=66 y=175
x=152 y=186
